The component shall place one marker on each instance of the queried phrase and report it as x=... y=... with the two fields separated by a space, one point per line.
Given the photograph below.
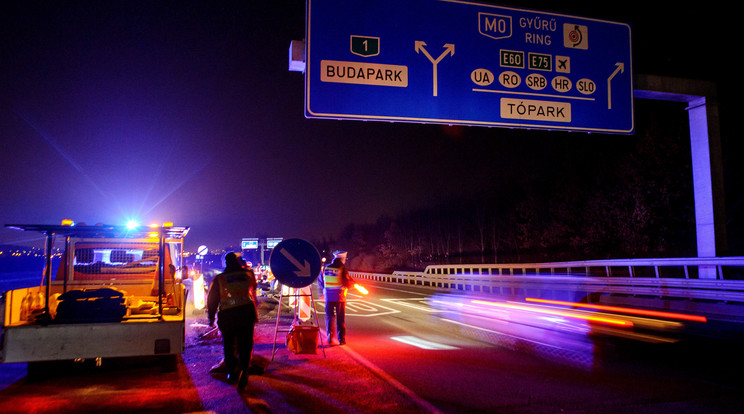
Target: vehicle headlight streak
x=518 y=318
x=472 y=310
x=526 y=308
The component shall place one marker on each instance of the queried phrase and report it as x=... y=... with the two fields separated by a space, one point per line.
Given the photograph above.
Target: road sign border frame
x=423 y=120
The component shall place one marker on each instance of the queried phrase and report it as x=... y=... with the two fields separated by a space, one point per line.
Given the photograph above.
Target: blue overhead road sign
x=295 y=263
x=457 y=62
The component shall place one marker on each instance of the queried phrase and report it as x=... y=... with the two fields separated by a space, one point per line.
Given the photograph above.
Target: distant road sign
x=272 y=242
x=202 y=250
x=457 y=62
x=249 y=244
x=295 y=263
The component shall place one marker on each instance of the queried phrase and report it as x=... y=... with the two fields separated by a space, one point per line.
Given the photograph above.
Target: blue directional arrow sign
x=458 y=62
x=295 y=263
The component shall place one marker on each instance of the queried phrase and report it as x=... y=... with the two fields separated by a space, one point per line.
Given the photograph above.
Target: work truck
x=116 y=292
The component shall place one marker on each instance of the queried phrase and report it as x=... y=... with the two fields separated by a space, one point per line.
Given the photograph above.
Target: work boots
x=243 y=381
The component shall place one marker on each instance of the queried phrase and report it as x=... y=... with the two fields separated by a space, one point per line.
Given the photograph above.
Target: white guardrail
x=718 y=279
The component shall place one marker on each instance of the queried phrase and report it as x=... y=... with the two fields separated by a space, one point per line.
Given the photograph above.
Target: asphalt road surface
x=409 y=350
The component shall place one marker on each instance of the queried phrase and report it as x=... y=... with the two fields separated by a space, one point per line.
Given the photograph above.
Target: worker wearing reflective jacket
x=335 y=282
x=234 y=293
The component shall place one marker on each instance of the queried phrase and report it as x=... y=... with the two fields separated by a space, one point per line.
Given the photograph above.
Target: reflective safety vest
x=235 y=289
x=332 y=278
x=335 y=290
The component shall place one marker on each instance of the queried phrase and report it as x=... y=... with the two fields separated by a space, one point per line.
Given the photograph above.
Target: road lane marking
x=355 y=307
x=422 y=343
x=422 y=306
x=500 y=333
x=403 y=290
x=425 y=405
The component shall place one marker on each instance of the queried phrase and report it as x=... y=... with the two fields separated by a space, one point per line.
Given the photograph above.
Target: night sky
x=186 y=112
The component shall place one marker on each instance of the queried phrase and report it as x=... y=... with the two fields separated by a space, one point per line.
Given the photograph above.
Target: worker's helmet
x=340 y=254
x=232 y=259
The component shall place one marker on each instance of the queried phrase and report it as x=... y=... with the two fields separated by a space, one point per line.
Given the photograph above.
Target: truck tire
x=168 y=363
x=39 y=370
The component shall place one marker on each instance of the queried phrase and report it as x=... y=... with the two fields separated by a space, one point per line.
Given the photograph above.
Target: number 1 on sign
x=365 y=45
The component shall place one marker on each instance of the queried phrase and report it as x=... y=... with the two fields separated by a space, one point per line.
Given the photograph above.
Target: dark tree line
x=632 y=201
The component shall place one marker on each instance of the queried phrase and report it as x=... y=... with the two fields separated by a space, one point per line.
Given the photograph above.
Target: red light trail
x=619 y=309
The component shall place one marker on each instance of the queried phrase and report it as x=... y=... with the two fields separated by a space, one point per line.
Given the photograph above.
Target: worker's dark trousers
x=240 y=340
x=336 y=311
x=237 y=327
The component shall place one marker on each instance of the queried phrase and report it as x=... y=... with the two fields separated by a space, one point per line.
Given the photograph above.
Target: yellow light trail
x=633 y=311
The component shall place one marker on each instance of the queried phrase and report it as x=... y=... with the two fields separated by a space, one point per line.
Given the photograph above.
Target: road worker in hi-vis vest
x=234 y=293
x=334 y=280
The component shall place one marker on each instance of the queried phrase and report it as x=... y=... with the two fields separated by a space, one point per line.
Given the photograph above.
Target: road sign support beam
x=707 y=160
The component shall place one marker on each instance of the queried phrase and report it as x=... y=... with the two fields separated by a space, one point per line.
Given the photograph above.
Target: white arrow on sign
x=449 y=48
x=619 y=67
x=303 y=270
